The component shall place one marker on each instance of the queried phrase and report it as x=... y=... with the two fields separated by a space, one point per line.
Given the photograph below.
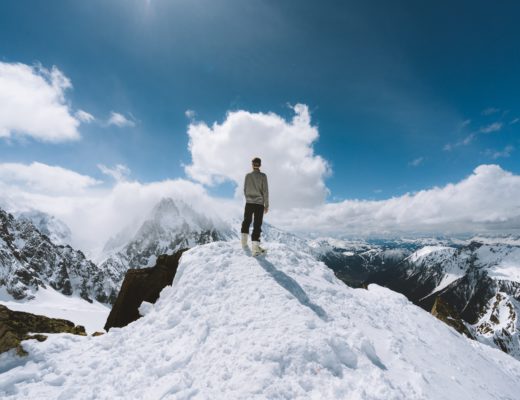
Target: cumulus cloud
x=32 y=103
x=43 y=178
x=120 y=120
x=223 y=152
x=119 y=172
x=487 y=200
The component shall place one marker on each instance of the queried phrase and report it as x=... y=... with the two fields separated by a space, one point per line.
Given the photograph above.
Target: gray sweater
x=256 y=189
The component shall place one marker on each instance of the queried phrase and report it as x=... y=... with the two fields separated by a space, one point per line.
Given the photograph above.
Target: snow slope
x=51 y=303
x=281 y=327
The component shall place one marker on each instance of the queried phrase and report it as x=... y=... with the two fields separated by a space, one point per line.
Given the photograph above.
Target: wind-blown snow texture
x=281 y=327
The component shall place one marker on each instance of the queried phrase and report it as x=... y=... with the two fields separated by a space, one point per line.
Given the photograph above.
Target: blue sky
x=402 y=93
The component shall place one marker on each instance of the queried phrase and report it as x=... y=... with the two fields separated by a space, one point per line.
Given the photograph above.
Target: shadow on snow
x=292 y=287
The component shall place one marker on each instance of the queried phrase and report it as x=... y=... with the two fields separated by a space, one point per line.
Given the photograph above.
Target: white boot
x=257 y=250
x=245 y=236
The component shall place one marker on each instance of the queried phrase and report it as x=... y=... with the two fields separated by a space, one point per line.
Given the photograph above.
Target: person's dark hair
x=257 y=162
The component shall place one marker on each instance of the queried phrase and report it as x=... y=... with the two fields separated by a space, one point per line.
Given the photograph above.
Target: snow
x=56 y=230
x=511 y=240
x=277 y=327
x=447 y=280
x=426 y=251
x=53 y=304
x=502 y=262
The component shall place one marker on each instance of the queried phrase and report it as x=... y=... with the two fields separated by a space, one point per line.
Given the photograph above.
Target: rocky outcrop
x=140 y=285
x=500 y=324
x=443 y=311
x=16 y=326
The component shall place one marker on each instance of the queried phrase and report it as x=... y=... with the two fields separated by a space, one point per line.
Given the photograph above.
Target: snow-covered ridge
x=236 y=327
x=501 y=262
x=56 y=230
x=29 y=260
x=431 y=252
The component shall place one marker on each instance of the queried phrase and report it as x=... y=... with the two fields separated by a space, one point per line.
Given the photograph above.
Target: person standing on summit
x=256 y=192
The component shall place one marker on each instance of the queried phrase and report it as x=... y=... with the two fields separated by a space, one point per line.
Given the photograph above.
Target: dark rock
x=442 y=310
x=15 y=327
x=142 y=285
x=98 y=333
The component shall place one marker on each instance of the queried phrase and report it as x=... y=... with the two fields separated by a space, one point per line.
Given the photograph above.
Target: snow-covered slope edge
x=236 y=327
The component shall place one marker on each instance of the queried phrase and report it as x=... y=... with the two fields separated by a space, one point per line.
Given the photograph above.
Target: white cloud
x=95 y=213
x=415 y=163
x=464 y=142
x=32 y=103
x=43 y=178
x=119 y=172
x=119 y=120
x=487 y=200
x=190 y=114
x=84 y=116
x=490 y=111
x=494 y=154
x=223 y=152
x=494 y=127
x=514 y=121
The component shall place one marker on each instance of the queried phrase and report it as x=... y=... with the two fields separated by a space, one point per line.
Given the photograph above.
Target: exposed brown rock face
x=142 y=285
x=15 y=327
x=442 y=310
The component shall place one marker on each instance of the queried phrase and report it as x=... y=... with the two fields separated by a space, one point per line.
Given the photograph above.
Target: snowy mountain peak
x=237 y=327
x=56 y=230
x=171 y=225
x=172 y=214
x=30 y=261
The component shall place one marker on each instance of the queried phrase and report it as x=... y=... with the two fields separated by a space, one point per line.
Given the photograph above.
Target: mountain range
x=475 y=280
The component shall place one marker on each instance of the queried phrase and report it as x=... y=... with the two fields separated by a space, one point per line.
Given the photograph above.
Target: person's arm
x=245 y=183
x=266 y=194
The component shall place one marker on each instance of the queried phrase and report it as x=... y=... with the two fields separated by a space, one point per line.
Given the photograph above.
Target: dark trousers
x=256 y=210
